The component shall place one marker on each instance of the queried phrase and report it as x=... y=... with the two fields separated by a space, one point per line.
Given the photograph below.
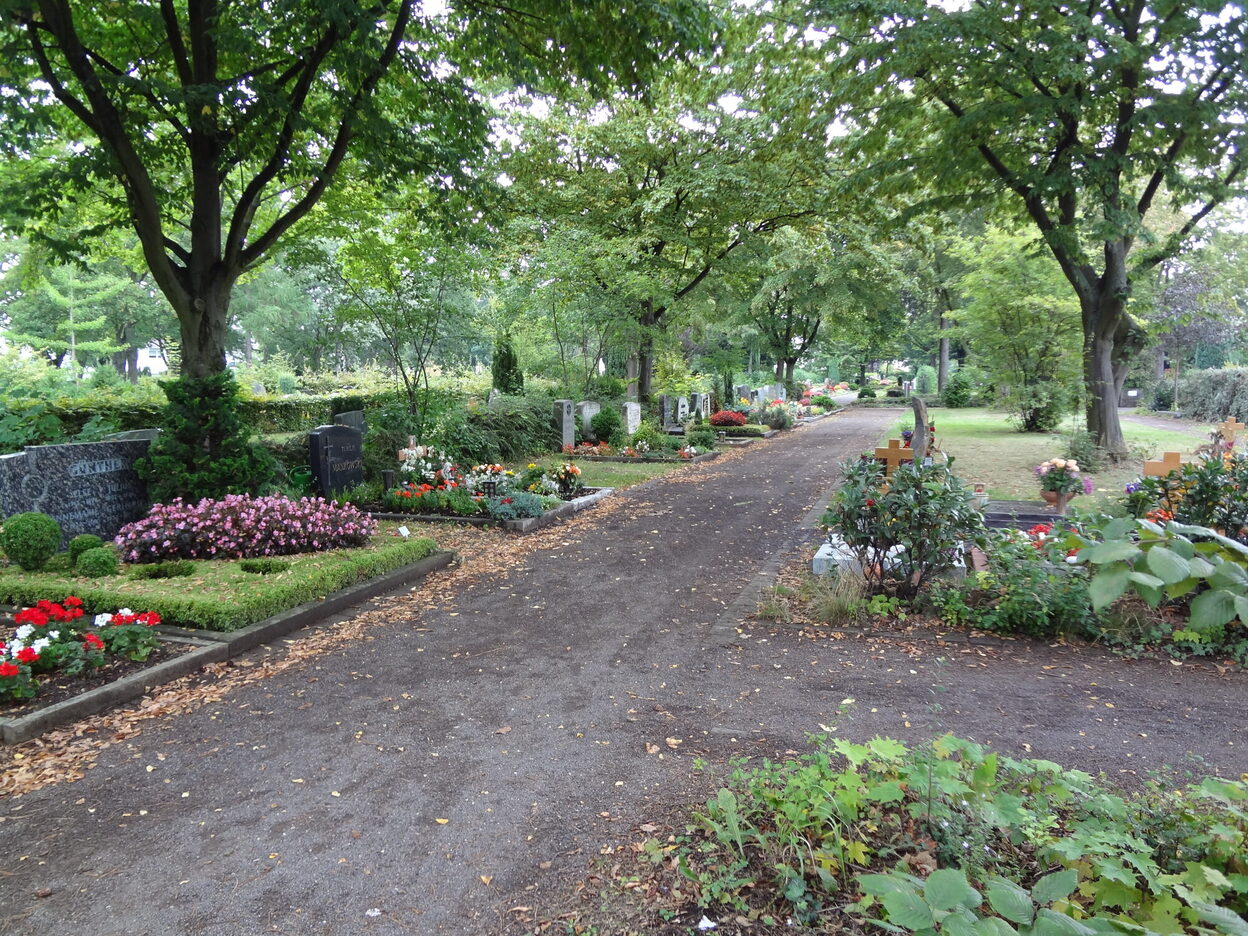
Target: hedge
x=1213 y=395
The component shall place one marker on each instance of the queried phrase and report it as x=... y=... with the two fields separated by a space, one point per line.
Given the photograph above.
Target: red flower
x=92 y=642
x=870 y=502
x=31 y=616
x=72 y=602
x=27 y=655
x=9 y=669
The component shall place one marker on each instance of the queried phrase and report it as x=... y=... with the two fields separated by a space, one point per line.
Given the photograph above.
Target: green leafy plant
x=204 y=449
x=606 y=424
x=80 y=544
x=30 y=539
x=514 y=506
x=173 y=568
x=264 y=566
x=505 y=373
x=866 y=393
x=99 y=562
x=957 y=392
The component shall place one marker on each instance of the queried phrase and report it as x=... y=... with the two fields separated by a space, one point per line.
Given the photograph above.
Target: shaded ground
x=448 y=756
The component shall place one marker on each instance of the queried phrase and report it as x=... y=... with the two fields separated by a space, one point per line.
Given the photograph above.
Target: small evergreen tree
x=204 y=449
x=507 y=377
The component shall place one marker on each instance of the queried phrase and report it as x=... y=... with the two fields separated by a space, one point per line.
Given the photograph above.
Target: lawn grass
x=219 y=595
x=986 y=447
x=612 y=474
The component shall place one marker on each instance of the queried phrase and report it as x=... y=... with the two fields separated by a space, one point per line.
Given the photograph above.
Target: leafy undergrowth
x=942 y=838
x=220 y=594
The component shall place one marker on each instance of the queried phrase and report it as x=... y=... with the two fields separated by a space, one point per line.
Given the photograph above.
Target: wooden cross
x=1228 y=429
x=893 y=455
x=1170 y=463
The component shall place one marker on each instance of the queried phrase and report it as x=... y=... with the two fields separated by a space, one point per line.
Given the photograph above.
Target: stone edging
x=523 y=525
x=211 y=647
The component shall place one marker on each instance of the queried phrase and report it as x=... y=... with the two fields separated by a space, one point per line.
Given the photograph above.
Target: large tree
x=218 y=125
x=1083 y=117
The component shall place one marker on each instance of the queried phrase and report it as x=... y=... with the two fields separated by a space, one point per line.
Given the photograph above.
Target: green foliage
x=515 y=506
x=1209 y=395
x=607 y=423
x=925 y=380
x=80 y=544
x=264 y=566
x=1047 y=850
x=703 y=438
x=906 y=531
x=30 y=539
x=171 y=568
x=866 y=393
x=1080 y=446
x=505 y=372
x=823 y=401
x=99 y=562
x=1026 y=590
x=203 y=450
x=957 y=393
x=132 y=641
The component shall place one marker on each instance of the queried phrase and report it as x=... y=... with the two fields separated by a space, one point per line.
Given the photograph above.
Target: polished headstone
x=565 y=423
x=336 y=454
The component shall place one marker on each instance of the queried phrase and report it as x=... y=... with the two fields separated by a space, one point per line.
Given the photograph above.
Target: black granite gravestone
x=352 y=418
x=89 y=487
x=336 y=454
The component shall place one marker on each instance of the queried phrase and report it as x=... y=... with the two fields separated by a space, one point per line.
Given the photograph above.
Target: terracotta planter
x=1056 y=500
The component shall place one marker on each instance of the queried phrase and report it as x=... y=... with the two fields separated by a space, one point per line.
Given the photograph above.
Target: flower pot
x=1057 y=500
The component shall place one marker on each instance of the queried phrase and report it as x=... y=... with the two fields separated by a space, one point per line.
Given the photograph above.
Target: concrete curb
x=213 y=647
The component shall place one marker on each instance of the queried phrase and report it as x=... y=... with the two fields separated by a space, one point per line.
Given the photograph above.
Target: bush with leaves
x=80 y=544
x=957 y=392
x=1211 y=492
x=204 y=449
x=607 y=425
x=904 y=530
x=30 y=539
x=505 y=373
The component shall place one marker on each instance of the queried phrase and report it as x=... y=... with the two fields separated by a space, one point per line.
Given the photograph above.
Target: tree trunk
x=645 y=368
x=630 y=374
x=779 y=370
x=789 y=367
x=942 y=364
x=203 y=328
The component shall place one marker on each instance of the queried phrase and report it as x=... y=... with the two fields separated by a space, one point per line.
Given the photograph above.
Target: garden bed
x=184 y=651
x=522 y=525
x=218 y=595
x=748 y=431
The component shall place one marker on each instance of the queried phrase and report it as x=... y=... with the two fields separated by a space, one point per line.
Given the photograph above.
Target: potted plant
x=1060 y=480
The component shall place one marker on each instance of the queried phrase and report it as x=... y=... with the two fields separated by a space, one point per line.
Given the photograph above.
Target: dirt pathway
x=467 y=755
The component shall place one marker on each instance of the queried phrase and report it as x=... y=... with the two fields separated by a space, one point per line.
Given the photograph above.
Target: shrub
x=505 y=373
x=80 y=544
x=649 y=435
x=824 y=401
x=1081 y=447
x=728 y=418
x=703 y=439
x=30 y=539
x=240 y=526
x=515 y=506
x=606 y=423
x=925 y=380
x=957 y=391
x=866 y=393
x=97 y=563
x=776 y=416
x=906 y=531
x=1212 y=395
x=894 y=393
x=174 y=568
x=203 y=451
x=264 y=566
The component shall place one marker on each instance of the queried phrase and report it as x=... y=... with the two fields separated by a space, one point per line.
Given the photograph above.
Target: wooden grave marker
x=1170 y=462
x=893 y=455
x=1229 y=428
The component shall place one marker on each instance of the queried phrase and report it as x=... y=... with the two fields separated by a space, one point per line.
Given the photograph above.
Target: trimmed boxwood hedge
x=197 y=608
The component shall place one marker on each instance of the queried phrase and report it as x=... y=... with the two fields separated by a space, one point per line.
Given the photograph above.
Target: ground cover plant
x=949 y=837
x=219 y=594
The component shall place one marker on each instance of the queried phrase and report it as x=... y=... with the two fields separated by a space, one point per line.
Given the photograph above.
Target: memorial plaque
x=632 y=417
x=667 y=405
x=565 y=422
x=336 y=454
x=587 y=410
x=88 y=487
x=743 y=392
x=682 y=409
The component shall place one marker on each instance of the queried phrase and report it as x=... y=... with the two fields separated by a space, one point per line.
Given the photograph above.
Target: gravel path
x=504 y=723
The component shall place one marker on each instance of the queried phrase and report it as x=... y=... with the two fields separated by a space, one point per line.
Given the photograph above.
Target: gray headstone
x=493 y=395
x=695 y=404
x=742 y=391
x=336 y=454
x=779 y=392
x=565 y=422
x=588 y=410
x=257 y=388
x=682 y=409
x=89 y=487
x=921 y=438
x=667 y=406
x=354 y=419
x=632 y=417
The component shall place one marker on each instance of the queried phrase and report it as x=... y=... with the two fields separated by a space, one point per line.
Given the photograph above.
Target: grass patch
x=219 y=595
x=988 y=448
x=613 y=474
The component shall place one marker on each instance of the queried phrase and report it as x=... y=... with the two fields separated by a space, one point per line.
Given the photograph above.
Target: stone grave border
x=523 y=525
x=212 y=647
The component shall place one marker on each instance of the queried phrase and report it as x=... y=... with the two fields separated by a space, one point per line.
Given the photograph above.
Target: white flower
x=1072 y=560
x=39 y=645
x=24 y=631
x=53 y=635
x=14 y=646
x=124 y=611
x=102 y=620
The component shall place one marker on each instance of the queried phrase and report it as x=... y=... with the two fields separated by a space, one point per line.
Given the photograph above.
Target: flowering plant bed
x=586 y=497
x=221 y=595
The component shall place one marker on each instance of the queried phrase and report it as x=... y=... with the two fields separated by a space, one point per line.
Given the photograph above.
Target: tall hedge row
x=1212 y=395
